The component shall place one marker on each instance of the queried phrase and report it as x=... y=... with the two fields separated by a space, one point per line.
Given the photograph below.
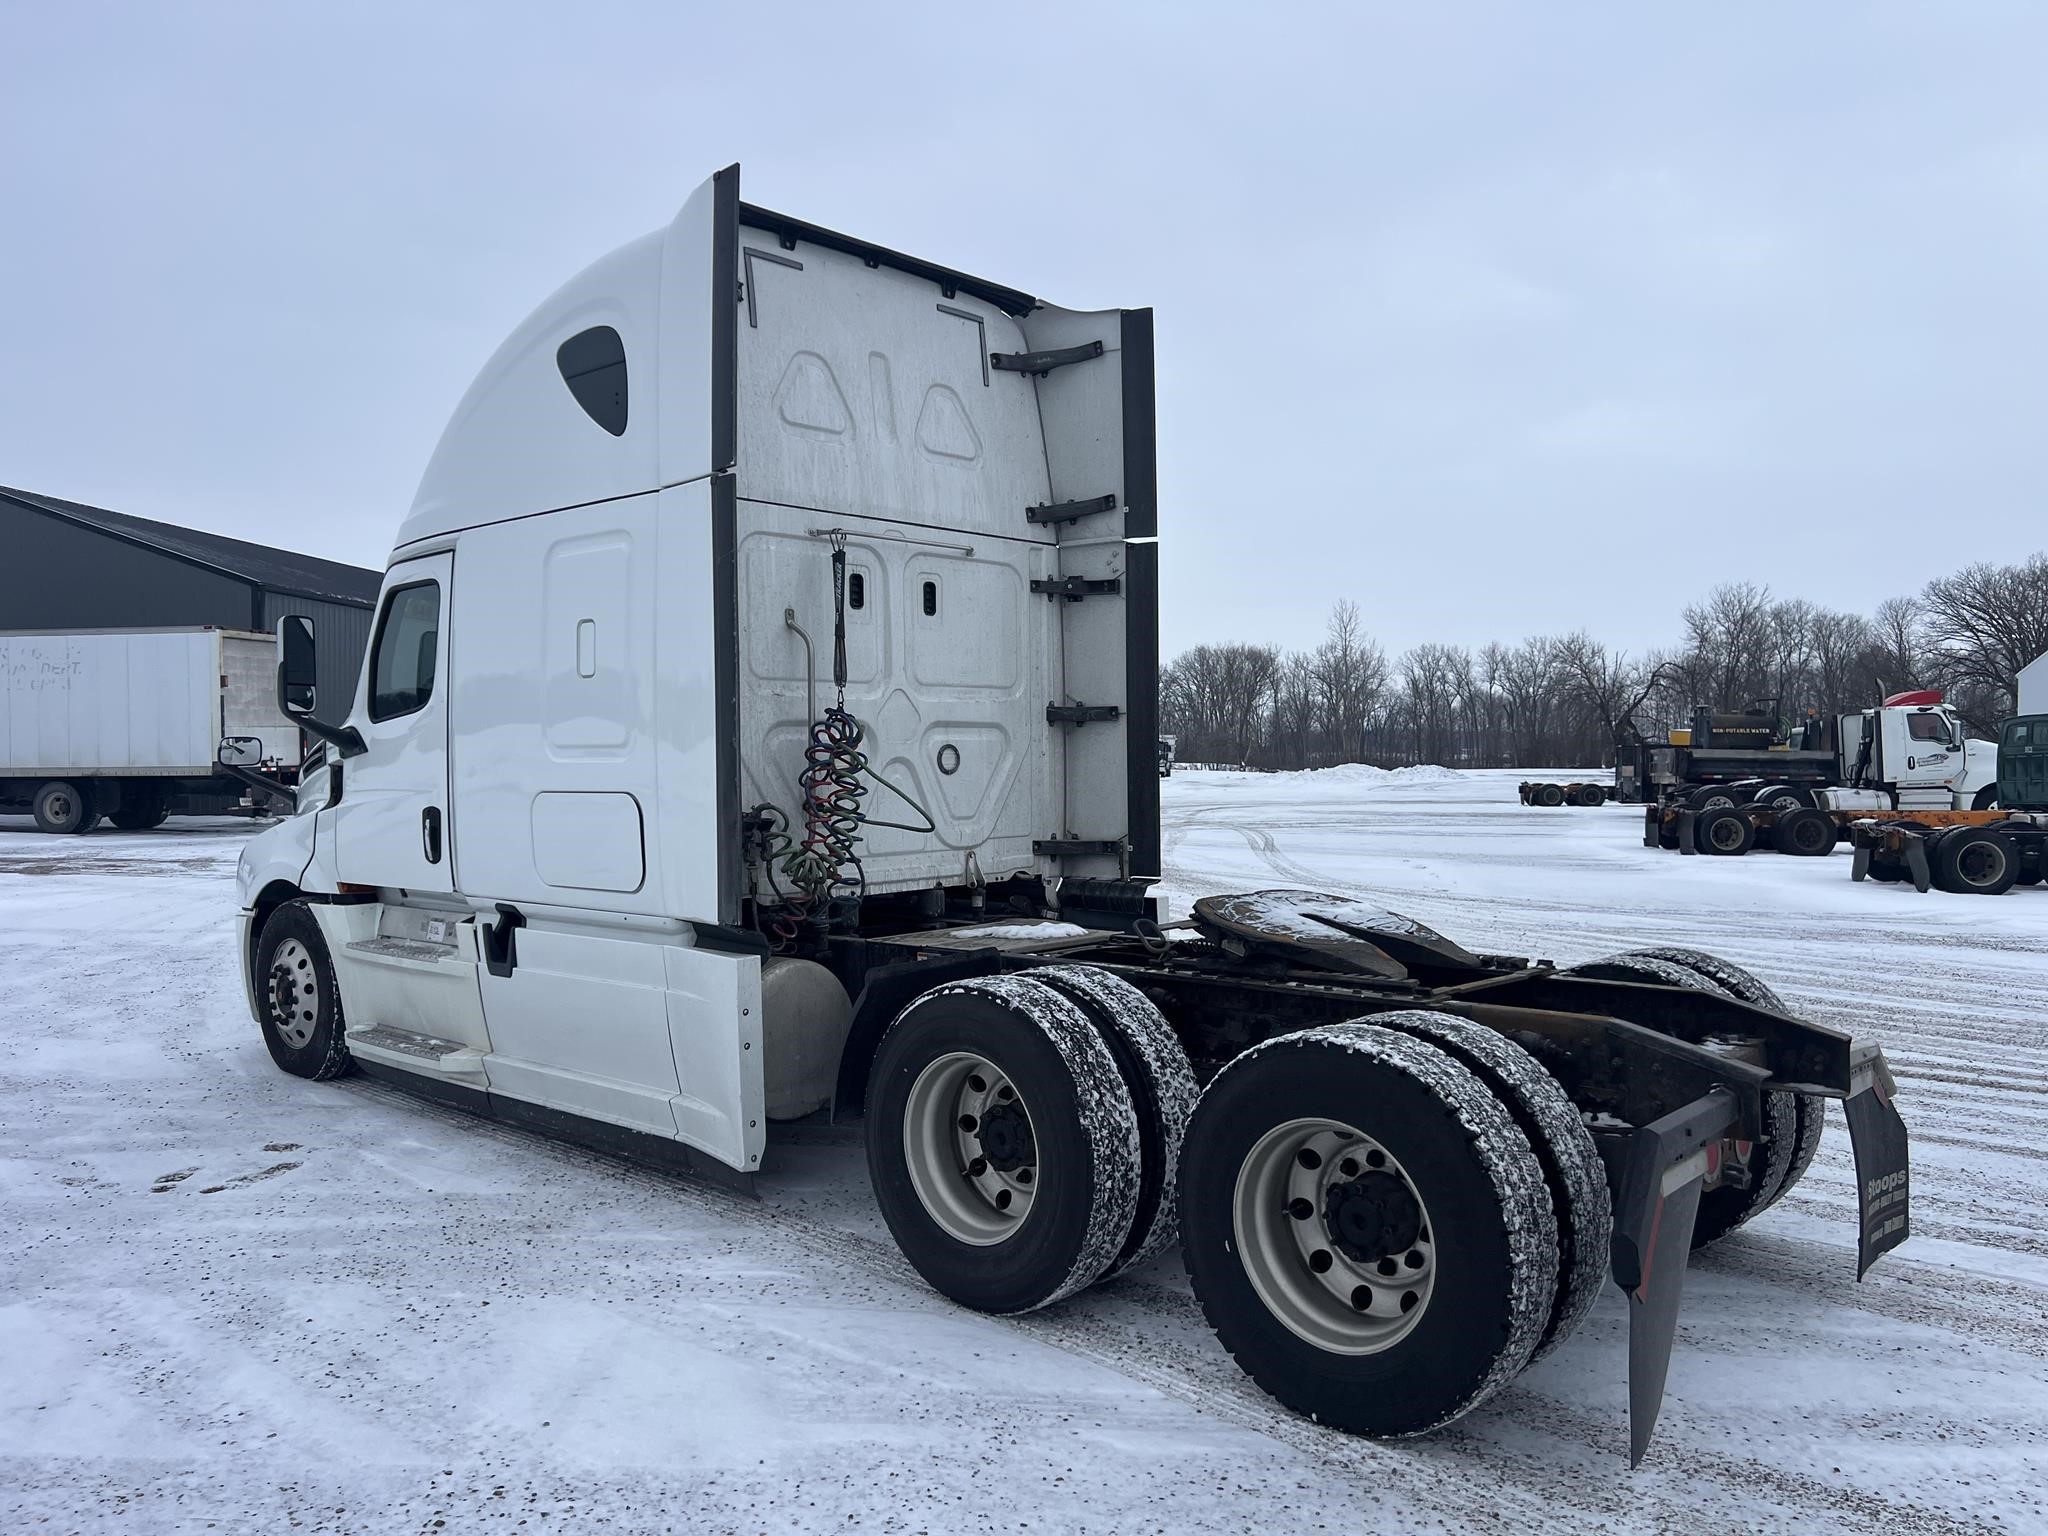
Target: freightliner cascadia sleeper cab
x=760 y=721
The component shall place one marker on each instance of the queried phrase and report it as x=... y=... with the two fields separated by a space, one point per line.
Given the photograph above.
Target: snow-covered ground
x=232 y=1300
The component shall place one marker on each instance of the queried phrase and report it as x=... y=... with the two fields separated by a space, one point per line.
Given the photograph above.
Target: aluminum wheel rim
x=1981 y=864
x=958 y=1182
x=1300 y=1272
x=294 y=993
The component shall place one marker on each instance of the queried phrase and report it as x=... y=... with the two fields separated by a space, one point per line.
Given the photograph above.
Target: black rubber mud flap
x=1685 y=822
x=1653 y=1221
x=1916 y=862
x=1884 y=1183
x=1859 y=867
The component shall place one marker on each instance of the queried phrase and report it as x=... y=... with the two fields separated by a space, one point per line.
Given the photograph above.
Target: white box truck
x=128 y=724
x=760 y=716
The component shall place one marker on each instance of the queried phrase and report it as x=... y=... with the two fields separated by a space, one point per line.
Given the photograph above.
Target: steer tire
x=64 y=807
x=1724 y=831
x=297 y=996
x=1572 y=1169
x=1805 y=833
x=1975 y=861
x=1163 y=1091
x=1074 y=1166
x=1438 y=1162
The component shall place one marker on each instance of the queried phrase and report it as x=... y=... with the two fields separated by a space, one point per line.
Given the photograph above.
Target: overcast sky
x=1500 y=320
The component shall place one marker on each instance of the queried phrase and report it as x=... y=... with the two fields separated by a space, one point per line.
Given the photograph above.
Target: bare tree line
x=1555 y=701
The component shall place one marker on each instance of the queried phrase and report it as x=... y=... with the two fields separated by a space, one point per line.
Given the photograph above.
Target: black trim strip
x=1141 y=596
x=725 y=399
x=725 y=318
x=789 y=231
x=725 y=632
x=642 y=1149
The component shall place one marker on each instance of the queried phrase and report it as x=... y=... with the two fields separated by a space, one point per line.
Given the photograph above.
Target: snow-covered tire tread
x=1107 y=1121
x=1500 y=1149
x=1163 y=1092
x=1556 y=1131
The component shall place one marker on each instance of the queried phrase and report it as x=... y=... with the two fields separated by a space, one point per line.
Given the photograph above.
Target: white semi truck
x=760 y=719
x=126 y=724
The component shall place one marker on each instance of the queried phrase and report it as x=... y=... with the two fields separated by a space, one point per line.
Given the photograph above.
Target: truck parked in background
x=126 y=724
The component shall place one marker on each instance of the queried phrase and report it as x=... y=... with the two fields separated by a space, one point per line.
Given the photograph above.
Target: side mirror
x=298 y=675
x=240 y=751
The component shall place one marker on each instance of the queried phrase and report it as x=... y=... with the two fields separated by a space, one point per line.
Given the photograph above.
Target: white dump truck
x=760 y=721
x=127 y=724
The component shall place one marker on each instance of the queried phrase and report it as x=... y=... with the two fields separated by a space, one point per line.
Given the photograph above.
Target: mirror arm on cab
x=345 y=739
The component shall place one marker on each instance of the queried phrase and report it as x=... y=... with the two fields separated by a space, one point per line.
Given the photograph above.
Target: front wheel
x=64 y=807
x=1367 y=1229
x=298 y=996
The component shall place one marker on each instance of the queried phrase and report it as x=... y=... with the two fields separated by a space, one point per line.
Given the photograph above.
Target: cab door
x=1923 y=749
x=392 y=826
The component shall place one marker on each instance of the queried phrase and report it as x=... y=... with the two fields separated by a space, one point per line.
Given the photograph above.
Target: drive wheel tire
x=1161 y=1083
x=1366 y=1228
x=1781 y=797
x=1748 y=987
x=1724 y=831
x=1804 y=833
x=1572 y=1169
x=1975 y=861
x=1886 y=870
x=64 y=807
x=1707 y=796
x=148 y=809
x=1002 y=1144
x=1724 y=1208
x=300 y=1002
x=1548 y=794
x=1592 y=794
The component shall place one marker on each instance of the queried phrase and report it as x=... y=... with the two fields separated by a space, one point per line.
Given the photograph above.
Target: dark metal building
x=66 y=566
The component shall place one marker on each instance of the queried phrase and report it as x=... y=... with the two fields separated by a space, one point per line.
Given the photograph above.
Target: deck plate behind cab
x=1332 y=933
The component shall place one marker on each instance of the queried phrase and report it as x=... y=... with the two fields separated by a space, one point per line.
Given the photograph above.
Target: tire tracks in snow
x=1118 y=1327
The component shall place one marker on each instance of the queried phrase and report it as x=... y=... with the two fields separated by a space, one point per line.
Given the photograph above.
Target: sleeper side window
x=402 y=667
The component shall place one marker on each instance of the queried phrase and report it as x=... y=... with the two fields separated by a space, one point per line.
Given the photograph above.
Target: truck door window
x=1928 y=727
x=402 y=669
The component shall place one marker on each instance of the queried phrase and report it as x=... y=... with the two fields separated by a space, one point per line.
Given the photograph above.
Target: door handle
x=430 y=833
